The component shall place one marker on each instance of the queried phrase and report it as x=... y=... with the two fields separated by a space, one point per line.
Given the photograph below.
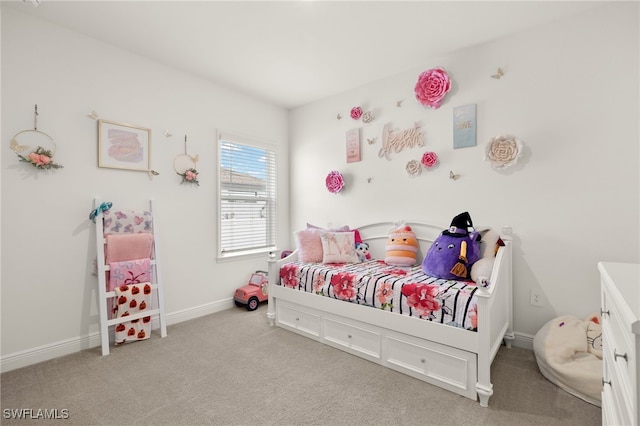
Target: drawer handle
x=604 y=382
x=349 y=336
x=423 y=360
x=602 y=312
x=297 y=319
x=617 y=355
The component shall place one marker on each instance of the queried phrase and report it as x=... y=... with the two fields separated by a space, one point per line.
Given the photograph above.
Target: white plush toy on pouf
x=569 y=353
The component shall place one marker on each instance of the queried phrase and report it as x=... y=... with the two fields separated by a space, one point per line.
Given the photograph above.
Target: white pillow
x=338 y=247
x=482 y=269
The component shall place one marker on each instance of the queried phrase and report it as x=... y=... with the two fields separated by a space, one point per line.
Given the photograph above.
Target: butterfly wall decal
x=498 y=75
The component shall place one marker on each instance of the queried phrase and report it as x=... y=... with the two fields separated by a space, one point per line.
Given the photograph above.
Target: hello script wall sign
x=396 y=141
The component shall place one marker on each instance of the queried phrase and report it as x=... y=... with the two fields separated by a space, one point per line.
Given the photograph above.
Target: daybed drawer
x=442 y=365
x=305 y=321
x=353 y=338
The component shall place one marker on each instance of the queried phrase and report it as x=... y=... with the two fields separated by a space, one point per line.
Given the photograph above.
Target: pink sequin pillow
x=309 y=246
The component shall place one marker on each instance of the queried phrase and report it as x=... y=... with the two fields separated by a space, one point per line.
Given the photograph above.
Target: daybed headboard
x=376 y=235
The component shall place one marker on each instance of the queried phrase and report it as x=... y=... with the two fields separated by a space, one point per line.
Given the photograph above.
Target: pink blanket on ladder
x=128 y=247
x=127 y=272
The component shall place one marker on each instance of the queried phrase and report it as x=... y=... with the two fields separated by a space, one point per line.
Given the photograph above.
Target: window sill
x=246 y=254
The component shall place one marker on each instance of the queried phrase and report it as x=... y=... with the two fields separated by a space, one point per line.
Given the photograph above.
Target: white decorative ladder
x=157 y=311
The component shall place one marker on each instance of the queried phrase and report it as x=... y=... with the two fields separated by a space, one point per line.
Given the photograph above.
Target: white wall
x=570 y=93
x=49 y=295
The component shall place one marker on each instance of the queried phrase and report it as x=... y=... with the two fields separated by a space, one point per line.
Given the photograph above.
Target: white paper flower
x=414 y=168
x=503 y=151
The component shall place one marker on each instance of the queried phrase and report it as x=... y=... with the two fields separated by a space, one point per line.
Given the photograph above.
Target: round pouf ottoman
x=568 y=351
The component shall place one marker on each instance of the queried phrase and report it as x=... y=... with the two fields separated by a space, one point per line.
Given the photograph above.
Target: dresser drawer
x=616 y=398
x=352 y=337
x=618 y=341
x=304 y=321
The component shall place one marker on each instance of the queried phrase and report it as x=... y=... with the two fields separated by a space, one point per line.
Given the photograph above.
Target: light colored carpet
x=232 y=368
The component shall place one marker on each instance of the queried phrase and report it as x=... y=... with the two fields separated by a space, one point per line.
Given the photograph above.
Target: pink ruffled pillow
x=309 y=246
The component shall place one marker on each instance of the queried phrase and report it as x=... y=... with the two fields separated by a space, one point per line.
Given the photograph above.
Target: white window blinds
x=247 y=196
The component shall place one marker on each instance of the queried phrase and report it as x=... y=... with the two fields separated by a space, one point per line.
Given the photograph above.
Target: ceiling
x=290 y=53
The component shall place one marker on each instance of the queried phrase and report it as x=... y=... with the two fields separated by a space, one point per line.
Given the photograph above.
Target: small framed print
x=123 y=146
x=353 y=146
x=464 y=126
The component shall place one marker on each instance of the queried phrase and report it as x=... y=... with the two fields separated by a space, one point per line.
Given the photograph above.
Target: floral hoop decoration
x=190 y=176
x=187 y=164
x=41 y=159
x=432 y=86
x=334 y=182
x=503 y=151
x=429 y=159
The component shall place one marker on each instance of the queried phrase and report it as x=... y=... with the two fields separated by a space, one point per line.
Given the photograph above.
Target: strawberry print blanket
x=404 y=290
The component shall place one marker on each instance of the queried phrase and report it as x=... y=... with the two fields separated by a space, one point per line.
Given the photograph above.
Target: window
x=247 y=196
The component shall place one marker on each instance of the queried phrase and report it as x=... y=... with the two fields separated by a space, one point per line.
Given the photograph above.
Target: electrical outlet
x=536 y=298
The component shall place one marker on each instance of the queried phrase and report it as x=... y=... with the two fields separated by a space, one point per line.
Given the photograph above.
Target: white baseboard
x=69 y=346
x=65 y=347
x=523 y=340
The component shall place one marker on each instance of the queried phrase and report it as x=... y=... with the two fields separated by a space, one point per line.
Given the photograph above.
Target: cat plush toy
x=454 y=251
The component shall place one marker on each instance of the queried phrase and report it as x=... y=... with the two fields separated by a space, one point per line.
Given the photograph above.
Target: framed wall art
x=353 y=146
x=123 y=146
x=464 y=126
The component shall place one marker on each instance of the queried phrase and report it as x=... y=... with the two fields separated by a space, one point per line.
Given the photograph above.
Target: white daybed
x=451 y=358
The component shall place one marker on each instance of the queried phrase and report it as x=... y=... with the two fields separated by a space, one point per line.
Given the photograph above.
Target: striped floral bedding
x=404 y=290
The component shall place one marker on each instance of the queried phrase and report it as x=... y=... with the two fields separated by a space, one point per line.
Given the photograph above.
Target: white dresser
x=620 y=299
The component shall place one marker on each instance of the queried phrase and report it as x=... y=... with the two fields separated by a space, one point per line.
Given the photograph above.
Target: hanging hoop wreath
x=41 y=145
x=186 y=166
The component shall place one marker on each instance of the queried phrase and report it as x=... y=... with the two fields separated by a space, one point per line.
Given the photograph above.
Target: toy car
x=254 y=292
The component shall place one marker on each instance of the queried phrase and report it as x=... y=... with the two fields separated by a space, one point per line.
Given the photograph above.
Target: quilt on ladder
x=404 y=290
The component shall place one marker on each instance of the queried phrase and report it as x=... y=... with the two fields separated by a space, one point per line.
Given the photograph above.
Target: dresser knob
x=423 y=361
x=349 y=336
x=617 y=355
x=603 y=312
x=604 y=382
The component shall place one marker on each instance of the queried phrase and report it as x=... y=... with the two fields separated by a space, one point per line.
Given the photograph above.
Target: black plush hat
x=460 y=226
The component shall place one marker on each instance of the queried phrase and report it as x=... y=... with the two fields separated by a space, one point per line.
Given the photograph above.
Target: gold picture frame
x=124 y=146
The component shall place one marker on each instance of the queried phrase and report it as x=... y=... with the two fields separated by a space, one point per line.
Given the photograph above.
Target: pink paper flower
x=334 y=182
x=429 y=159
x=356 y=113
x=190 y=176
x=40 y=159
x=432 y=86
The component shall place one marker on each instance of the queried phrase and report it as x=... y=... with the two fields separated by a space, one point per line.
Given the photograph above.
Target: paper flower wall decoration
x=334 y=182
x=432 y=86
x=413 y=168
x=356 y=113
x=429 y=159
x=503 y=151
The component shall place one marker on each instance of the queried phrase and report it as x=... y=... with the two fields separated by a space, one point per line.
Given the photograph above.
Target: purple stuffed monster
x=454 y=251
